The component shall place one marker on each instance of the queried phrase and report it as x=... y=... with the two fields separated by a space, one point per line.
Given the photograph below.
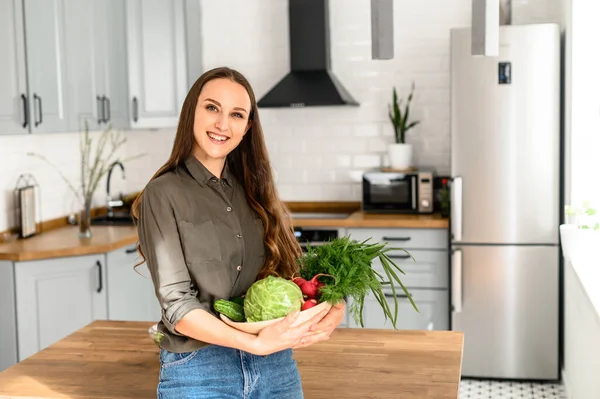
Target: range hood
x=310 y=81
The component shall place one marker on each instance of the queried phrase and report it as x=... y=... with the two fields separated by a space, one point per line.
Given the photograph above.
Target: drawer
x=428 y=270
x=403 y=238
x=433 y=312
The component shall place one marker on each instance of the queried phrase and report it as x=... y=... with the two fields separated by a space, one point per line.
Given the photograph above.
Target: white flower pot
x=401 y=156
x=579 y=245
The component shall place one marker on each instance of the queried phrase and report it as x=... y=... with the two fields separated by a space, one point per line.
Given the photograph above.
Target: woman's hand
x=323 y=329
x=282 y=335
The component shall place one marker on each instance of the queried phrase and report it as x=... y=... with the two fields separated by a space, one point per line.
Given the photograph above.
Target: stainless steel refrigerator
x=505 y=129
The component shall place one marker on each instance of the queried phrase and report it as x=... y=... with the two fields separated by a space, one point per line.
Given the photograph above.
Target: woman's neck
x=214 y=166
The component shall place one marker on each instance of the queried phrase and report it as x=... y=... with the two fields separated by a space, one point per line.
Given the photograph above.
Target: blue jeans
x=225 y=373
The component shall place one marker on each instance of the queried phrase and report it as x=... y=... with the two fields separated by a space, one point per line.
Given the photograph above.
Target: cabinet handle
x=135 y=109
x=25 y=110
x=397 y=295
x=100 y=109
x=106 y=100
x=399 y=256
x=99 y=266
x=38 y=99
x=396 y=238
x=130 y=250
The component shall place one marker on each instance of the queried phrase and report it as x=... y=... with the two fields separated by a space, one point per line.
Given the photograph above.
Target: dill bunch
x=349 y=266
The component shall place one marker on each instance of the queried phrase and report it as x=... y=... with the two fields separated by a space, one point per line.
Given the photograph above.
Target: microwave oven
x=398 y=192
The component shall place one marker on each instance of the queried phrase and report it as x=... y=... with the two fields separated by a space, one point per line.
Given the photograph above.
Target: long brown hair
x=249 y=163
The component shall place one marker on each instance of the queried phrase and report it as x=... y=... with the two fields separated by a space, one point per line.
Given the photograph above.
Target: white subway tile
x=337 y=192
x=378 y=144
x=325 y=176
x=307 y=192
x=366 y=161
x=291 y=176
x=366 y=130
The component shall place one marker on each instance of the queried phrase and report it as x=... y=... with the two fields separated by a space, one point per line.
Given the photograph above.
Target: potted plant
x=401 y=154
x=580 y=234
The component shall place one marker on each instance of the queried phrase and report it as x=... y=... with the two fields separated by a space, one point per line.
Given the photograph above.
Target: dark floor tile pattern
x=485 y=389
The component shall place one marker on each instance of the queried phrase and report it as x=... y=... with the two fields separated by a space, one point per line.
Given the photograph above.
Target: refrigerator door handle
x=456 y=208
x=456 y=280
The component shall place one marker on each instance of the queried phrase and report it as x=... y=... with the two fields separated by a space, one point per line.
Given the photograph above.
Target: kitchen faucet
x=110 y=202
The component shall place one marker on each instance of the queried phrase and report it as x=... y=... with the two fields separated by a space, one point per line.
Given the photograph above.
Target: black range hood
x=310 y=81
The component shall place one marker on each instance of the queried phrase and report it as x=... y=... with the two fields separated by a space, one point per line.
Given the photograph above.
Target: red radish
x=299 y=281
x=311 y=288
x=309 y=304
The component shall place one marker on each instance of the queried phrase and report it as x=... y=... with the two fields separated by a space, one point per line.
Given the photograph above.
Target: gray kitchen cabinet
x=426 y=277
x=403 y=238
x=48 y=104
x=113 y=59
x=130 y=292
x=55 y=297
x=82 y=64
x=433 y=311
x=8 y=315
x=429 y=269
x=96 y=63
x=13 y=80
x=157 y=61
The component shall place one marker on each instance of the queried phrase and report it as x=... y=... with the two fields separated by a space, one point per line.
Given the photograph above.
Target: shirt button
x=239 y=268
x=214 y=179
x=228 y=209
x=238 y=235
x=222 y=183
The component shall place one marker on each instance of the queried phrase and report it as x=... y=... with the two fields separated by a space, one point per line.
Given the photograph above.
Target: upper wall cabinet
x=96 y=63
x=156 y=39
x=32 y=74
x=46 y=74
x=109 y=62
x=13 y=82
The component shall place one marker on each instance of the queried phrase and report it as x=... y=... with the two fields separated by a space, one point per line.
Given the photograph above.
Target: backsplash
x=62 y=149
x=312 y=149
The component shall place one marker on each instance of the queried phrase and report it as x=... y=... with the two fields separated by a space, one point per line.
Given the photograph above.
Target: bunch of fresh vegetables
x=332 y=272
x=266 y=299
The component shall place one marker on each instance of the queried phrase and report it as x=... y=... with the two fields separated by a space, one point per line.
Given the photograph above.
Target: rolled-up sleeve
x=159 y=239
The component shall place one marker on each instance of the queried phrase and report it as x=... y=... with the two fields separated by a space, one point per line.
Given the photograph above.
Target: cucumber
x=230 y=309
x=237 y=299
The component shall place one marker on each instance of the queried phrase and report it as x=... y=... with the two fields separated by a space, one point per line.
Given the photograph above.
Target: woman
x=210 y=223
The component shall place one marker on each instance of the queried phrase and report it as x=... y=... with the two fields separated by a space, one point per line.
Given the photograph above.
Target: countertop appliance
x=505 y=203
x=388 y=191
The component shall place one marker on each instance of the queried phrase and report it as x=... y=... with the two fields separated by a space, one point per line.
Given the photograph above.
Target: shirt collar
x=204 y=176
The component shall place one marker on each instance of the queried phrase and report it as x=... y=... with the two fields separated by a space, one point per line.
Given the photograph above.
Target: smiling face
x=220 y=122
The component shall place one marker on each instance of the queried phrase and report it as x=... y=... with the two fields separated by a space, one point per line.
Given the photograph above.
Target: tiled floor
x=484 y=389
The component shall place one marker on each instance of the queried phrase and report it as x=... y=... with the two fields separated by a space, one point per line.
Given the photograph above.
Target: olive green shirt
x=202 y=242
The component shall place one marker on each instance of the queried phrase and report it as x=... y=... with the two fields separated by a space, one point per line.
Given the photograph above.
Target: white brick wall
x=312 y=149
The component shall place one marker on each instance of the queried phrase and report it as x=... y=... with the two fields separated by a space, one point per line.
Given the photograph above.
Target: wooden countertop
x=64 y=241
x=109 y=359
x=361 y=219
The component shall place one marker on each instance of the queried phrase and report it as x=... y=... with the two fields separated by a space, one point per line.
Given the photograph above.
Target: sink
x=118 y=219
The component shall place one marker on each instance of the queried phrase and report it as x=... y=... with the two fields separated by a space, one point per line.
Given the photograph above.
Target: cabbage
x=271 y=298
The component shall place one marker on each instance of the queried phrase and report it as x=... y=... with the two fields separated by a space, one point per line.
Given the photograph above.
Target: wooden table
x=109 y=359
